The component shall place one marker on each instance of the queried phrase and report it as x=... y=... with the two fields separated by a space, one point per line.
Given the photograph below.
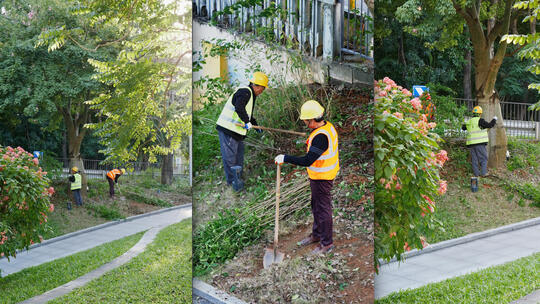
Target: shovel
x=272 y=255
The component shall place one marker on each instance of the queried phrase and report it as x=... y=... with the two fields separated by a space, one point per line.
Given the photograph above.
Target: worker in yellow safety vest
x=235 y=120
x=76 y=185
x=477 y=139
x=322 y=162
x=112 y=178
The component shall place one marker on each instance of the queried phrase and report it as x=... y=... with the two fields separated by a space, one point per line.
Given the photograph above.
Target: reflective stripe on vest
x=475 y=135
x=77 y=184
x=229 y=118
x=113 y=173
x=326 y=166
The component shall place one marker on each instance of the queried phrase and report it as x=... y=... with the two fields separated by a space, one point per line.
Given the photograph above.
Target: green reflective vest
x=475 y=135
x=229 y=118
x=77 y=184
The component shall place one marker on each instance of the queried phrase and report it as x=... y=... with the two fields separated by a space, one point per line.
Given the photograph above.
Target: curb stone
x=68 y=287
x=212 y=294
x=532 y=298
x=104 y=225
x=466 y=239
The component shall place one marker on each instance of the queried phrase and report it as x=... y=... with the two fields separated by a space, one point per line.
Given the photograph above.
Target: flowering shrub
x=407 y=164
x=24 y=200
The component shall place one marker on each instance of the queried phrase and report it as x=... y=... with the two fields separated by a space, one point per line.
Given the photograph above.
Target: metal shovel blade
x=272 y=256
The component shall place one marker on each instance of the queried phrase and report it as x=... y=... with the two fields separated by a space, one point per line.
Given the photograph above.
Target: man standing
x=477 y=139
x=232 y=125
x=76 y=185
x=322 y=162
x=112 y=178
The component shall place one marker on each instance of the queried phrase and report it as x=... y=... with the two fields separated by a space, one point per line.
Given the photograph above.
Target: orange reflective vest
x=113 y=173
x=326 y=166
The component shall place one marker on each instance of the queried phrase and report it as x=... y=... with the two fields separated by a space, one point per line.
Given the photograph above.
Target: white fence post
x=537 y=131
x=328 y=31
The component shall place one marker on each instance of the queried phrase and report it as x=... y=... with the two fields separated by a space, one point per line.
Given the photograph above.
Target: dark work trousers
x=321 y=206
x=232 y=154
x=479 y=158
x=111 y=186
x=78 y=197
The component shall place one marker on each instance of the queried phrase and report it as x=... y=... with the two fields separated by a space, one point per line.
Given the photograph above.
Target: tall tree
x=141 y=110
x=530 y=42
x=487 y=21
x=49 y=87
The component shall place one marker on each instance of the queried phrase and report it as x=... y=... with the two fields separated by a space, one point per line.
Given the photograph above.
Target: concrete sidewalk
x=453 y=261
x=89 y=238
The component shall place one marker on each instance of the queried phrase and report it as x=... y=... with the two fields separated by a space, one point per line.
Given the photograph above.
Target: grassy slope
x=463 y=212
x=63 y=221
x=497 y=285
x=161 y=274
x=36 y=280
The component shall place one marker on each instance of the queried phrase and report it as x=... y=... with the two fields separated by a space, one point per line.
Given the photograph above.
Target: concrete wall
x=239 y=67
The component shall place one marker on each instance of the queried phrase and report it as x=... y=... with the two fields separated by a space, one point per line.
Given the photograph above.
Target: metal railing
x=95 y=169
x=319 y=28
x=519 y=121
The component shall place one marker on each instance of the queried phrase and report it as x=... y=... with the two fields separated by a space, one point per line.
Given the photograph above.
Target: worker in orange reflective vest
x=322 y=162
x=112 y=178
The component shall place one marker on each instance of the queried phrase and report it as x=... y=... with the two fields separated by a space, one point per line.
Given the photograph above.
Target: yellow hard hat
x=123 y=170
x=477 y=110
x=260 y=78
x=310 y=110
x=75 y=169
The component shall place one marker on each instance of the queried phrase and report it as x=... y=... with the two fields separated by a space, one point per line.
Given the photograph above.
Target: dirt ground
x=345 y=275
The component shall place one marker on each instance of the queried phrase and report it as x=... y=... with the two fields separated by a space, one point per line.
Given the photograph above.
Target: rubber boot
x=68 y=205
x=474 y=184
x=237 y=182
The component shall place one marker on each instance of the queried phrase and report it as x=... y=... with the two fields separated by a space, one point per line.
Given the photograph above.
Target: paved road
x=458 y=260
x=89 y=238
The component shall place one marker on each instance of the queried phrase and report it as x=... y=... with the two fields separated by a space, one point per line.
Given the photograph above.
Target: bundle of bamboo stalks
x=294 y=196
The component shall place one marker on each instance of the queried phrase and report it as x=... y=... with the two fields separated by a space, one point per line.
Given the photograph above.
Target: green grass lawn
x=463 y=212
x=39 y=279
x=161 y=274
x=499 y=284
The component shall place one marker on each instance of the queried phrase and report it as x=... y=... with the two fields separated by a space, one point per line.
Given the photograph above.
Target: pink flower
x=5 y=156
x=442 y=157
x=416 y=103
x=432 y=125
x=388 y=186
x=5 y=198
x=398 y=186
x=51 y=207
x=51 y=191
x=36 y=161
x=31 y=14
x=406 y=92
x=442 y=187
x=382 y=93
x=392 y=234
x=398 y=115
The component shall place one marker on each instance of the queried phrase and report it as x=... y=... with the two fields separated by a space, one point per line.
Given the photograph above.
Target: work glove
x=258 y=130
x=495 y=117
x=248 y=126
x=279 y=159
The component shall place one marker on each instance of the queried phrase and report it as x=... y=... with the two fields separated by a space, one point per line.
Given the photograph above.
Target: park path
x=78 y=241
x=460 y=256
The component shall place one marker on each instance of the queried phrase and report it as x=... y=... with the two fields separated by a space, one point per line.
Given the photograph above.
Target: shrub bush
x=407 y=164
x=24 y=200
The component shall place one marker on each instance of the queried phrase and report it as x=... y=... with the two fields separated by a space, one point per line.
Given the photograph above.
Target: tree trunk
x=497 y=135
x=467 y=70
x=75 y=135
x=167 y=169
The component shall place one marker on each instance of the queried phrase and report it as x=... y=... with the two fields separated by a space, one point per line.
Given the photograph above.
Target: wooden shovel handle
x=276 y=224
x=277 y=130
